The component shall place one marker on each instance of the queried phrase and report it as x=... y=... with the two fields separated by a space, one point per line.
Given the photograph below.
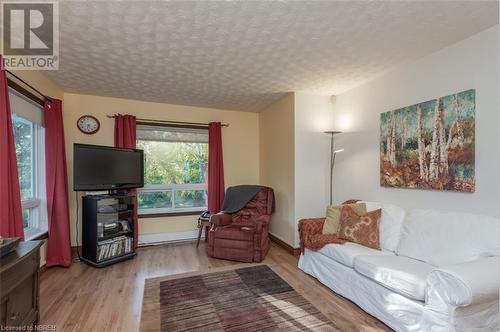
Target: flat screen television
x=97 y=167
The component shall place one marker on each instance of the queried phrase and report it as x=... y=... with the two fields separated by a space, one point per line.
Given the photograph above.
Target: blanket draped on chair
x=237 y=197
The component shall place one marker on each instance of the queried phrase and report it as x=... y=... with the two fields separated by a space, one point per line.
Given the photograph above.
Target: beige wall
x=240 y=144
x=277 y=163
x=40 y=82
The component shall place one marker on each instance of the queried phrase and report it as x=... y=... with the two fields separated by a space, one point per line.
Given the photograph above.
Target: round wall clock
x=88 y=124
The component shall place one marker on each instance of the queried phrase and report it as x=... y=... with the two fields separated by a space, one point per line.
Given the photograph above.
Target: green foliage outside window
x=23 y=137
x=174 y=163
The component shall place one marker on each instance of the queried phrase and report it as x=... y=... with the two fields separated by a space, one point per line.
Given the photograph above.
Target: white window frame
x=151 y=188
x=37 y=204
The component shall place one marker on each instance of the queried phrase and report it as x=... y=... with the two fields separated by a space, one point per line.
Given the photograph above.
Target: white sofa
x=437 y=271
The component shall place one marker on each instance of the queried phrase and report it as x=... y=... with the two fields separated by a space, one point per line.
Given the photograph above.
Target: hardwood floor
x=83 y=298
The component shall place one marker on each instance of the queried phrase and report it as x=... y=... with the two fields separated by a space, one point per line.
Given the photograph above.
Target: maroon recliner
x=243 y=236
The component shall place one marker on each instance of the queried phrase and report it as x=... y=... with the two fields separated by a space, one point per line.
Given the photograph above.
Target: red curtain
x=125 y=137
x=58 y=243
x=11 y=221
x=215 y=168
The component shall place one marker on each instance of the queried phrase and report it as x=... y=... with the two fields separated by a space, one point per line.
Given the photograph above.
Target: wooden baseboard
x=284 y=245
x=74 y=252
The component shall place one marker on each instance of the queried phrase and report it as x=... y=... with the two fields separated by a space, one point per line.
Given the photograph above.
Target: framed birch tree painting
x=430 y=145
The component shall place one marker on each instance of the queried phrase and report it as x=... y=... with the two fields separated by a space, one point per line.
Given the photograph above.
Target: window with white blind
x=175 y=169
x=27 y=124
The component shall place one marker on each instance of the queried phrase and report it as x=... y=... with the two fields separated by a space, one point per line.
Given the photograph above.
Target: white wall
x=313 y=116
x=470 y=64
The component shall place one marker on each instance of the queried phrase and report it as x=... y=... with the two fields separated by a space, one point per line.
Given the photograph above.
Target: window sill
x=35 y=234
x=170 y=214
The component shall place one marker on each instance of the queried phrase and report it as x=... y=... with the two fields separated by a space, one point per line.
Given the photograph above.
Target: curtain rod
x=201 y=124
x=25 y=83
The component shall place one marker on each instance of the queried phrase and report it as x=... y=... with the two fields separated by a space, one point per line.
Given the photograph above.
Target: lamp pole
x=332 y=160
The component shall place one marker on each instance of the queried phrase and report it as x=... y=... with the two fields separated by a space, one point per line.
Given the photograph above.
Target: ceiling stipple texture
x=243 y=55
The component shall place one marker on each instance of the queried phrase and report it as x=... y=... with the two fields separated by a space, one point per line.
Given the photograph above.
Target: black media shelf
x=107 y=237
x=107 y=229
x=119 y=212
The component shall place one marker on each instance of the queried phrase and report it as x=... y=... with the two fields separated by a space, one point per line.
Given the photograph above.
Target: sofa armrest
x=466 y=283
x=309 y=227
x=221 y=219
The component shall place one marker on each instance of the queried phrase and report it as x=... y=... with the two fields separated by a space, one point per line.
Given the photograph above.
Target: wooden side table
x=203 y=224
x=20 y=284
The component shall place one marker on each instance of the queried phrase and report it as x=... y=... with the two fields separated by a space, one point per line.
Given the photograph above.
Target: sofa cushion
x=403 y=275
x=445 y=238
x=391 y=223
x=345 y=253
x=362 y=229
x=332 y=220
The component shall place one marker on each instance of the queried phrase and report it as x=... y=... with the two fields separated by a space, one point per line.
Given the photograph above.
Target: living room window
x=175 y=169
x=27 y=123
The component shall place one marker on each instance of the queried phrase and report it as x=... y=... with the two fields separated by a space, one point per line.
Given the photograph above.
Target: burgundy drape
x=58 y=243
x=125 y=137
x=11 y=221
x=215 y=168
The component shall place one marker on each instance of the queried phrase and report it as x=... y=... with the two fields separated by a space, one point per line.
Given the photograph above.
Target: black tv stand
x=108 y=228
x=118 y=192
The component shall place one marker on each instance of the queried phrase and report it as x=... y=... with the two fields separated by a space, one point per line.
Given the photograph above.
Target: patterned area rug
x=243 y=299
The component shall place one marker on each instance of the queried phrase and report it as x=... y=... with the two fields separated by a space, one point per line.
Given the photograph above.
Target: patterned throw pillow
x=332 y=221
x=360 y=228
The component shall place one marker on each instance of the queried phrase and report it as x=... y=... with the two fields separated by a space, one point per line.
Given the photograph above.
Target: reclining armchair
x=243 y=236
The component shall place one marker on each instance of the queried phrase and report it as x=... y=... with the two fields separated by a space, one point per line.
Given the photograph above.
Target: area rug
x=251 y=298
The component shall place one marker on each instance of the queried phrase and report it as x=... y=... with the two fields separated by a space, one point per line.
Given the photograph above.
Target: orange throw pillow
x=362 y=229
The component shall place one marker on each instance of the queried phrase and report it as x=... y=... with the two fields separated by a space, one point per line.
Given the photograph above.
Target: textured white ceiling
x=243 y=55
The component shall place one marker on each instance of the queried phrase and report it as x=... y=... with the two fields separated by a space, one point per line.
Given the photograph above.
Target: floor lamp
x=333 y=153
